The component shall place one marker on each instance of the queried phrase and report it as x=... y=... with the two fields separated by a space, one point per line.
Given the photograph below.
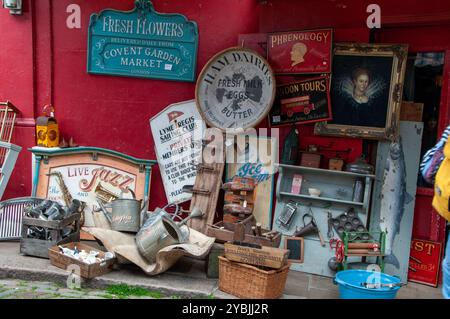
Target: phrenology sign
x=142 y=43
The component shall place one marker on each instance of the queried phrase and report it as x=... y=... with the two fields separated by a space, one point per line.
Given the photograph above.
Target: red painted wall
x=16 y=85
x=45 y=62
x=42 y=61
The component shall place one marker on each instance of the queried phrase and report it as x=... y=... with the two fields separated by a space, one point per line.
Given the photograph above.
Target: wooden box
x=336 y=164
x=265 y=256
x=310 y=159
x=39 y=247
x=58 y=259
x=212 y=261
x=411 y=111
x=223 y=233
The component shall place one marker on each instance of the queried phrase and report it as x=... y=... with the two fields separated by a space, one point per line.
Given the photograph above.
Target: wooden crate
x=265 y=256
x=58 y=259
x=39 y=247
x=227 y=234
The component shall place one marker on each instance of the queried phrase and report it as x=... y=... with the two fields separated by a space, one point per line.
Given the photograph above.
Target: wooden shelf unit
x=336 y=197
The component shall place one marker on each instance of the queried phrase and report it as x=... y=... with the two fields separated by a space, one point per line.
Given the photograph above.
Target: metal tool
x=285 y=219
x=330 y=232
x=310 y=228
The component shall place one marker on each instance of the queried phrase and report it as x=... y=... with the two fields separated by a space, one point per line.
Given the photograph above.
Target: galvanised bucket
x=158 y=232
x=126 y=215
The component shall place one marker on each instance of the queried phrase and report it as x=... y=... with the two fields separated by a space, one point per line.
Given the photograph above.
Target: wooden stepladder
x=208 y=183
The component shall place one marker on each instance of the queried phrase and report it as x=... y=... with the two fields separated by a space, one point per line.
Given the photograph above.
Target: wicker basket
x=246 y=281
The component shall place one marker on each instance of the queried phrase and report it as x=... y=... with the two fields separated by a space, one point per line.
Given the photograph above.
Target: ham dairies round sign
x=235 y=90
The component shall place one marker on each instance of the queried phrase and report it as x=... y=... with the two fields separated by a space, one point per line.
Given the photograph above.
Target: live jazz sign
x=142 y=43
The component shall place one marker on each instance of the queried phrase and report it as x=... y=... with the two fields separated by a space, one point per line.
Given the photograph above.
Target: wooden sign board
x=295 y=245
x=90 y=174
x=142 y=43
x=235 y=89
x=300 y=52
x=264 y=256
x=177 y=132
x=302 y=102
x=424 y=262
x=249 y=164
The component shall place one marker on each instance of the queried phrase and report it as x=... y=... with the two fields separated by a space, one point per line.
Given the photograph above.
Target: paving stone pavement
x=19 y=289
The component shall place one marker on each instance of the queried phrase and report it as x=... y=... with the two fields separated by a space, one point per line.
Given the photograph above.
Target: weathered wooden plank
x=207 y=179
x=53 y=224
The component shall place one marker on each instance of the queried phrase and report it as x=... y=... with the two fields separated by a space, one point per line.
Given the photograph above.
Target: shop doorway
x=423 y=84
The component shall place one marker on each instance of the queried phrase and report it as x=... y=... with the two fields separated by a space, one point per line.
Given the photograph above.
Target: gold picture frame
x=361 y=116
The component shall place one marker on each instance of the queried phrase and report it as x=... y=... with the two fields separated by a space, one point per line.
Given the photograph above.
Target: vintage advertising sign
x=177 y=132
x=142 y=43
x=425 y=262
x=90 y=175
x=249 y=162
x=235 y=89
x=300 y=52
x=302 y=102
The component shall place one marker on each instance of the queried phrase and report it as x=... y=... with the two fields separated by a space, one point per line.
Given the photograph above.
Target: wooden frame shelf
x=324 y=199
x=336 y=198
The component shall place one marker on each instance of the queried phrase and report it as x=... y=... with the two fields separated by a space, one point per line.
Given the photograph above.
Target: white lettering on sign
x=143 y=27
x=133 y=51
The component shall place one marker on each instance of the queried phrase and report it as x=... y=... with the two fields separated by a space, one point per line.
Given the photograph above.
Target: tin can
x=358 y=191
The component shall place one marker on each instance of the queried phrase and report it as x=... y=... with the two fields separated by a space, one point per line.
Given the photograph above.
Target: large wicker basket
x=246 y=281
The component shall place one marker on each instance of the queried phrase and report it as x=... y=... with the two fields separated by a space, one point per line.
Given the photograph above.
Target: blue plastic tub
x=349 y=282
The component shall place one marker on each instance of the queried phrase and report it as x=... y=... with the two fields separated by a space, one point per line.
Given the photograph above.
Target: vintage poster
x=249 y=162
x=305 y=101
x=425 y=262
x=300 y=52
x=177 y=132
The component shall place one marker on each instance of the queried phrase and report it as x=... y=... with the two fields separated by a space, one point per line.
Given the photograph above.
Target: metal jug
x=126 y=213
x=160 y=231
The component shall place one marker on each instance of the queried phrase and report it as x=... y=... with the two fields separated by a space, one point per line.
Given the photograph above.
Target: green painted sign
x=142 y=43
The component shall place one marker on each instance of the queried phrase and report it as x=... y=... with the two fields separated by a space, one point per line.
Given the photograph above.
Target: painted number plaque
x=235 y=90
x=142 y=43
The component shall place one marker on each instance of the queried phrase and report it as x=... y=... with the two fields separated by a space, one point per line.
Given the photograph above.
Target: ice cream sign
x=142 y=43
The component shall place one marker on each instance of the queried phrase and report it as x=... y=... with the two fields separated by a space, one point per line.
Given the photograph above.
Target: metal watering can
x=126 y=213
x=160 y=231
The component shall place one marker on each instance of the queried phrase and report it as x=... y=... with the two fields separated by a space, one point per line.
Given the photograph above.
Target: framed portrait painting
x=366 y=91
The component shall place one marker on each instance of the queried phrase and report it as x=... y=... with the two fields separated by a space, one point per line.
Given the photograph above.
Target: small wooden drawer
x=310 y=159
